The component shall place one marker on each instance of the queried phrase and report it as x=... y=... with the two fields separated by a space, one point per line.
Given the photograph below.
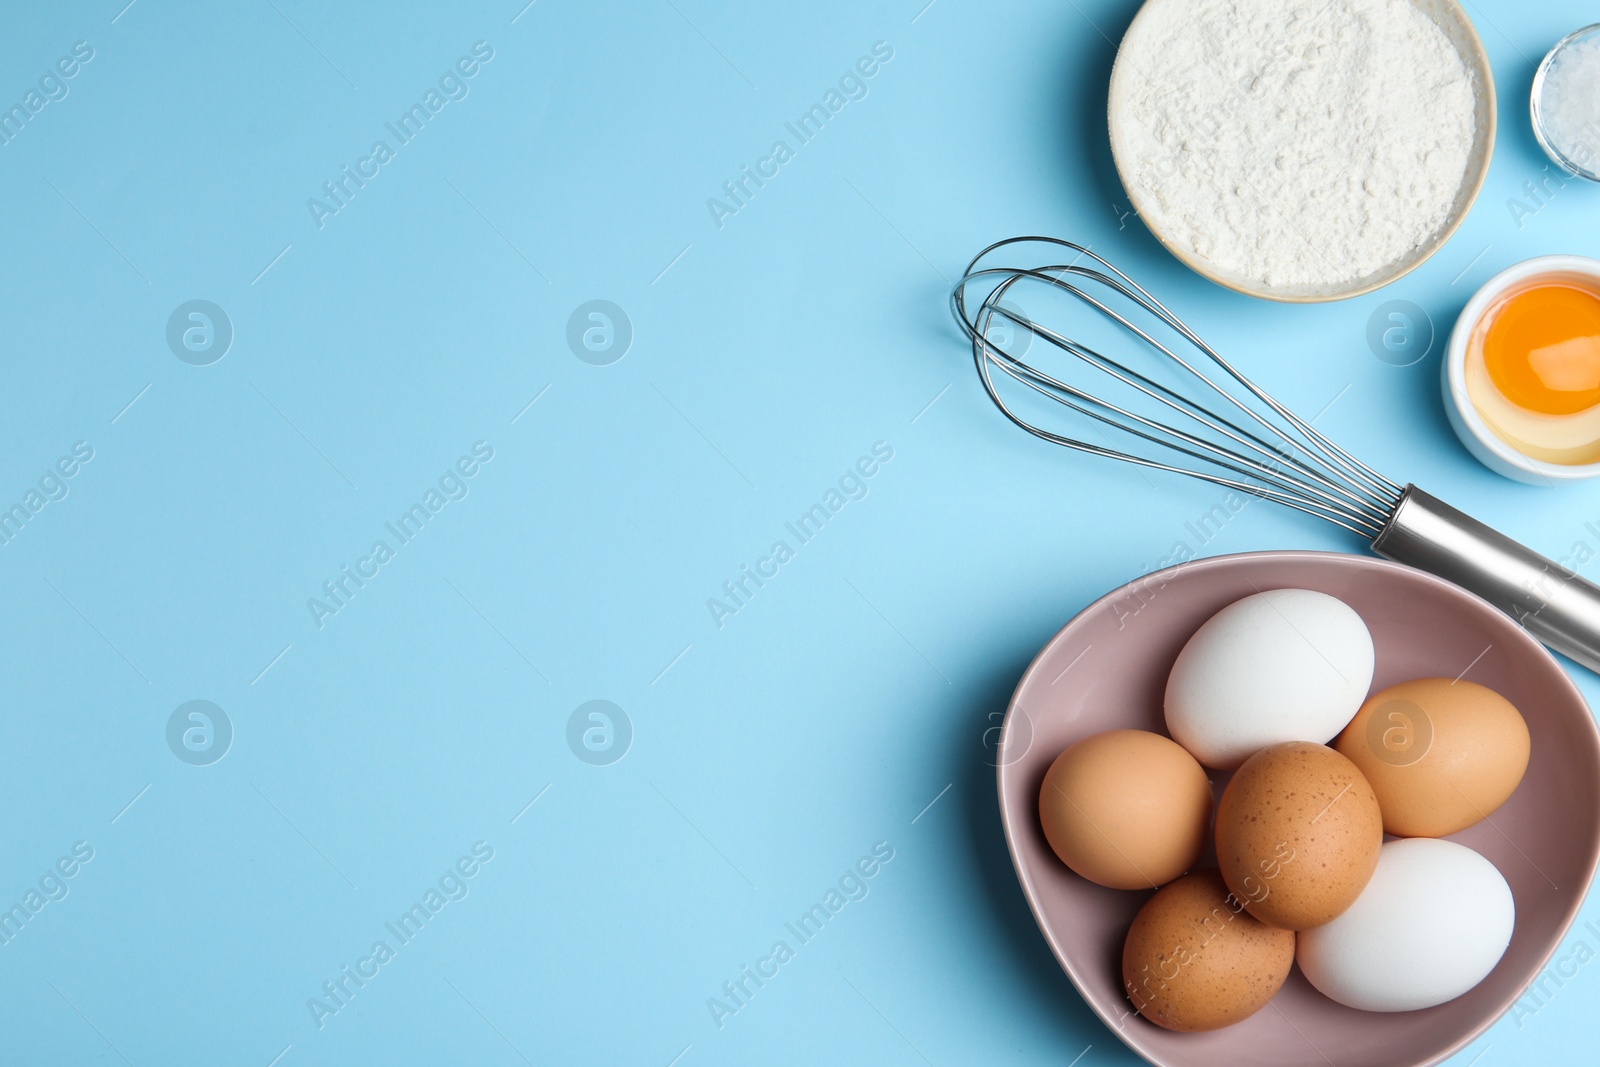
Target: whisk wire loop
x=1285 y=459
x=1267 y=470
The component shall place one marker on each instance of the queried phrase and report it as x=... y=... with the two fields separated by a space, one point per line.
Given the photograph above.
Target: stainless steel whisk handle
x=1557 y=606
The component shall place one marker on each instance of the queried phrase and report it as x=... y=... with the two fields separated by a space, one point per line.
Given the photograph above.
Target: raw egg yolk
x=1542 y=349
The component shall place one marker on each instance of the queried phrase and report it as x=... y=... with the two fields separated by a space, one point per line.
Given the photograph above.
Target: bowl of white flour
x=1302 y=150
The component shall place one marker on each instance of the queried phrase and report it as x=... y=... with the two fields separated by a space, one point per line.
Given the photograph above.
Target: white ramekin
x=1481 y=440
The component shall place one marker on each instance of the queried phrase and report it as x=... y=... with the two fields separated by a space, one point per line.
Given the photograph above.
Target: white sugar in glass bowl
x=1565 y=103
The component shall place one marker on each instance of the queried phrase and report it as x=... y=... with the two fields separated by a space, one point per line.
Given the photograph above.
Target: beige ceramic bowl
x=1450 y=17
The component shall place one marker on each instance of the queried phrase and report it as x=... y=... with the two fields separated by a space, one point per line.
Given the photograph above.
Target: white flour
x=1299 y=143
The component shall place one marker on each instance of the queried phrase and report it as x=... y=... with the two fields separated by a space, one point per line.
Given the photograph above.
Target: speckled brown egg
x=1298 y=834
x=1127 y=809
x=1196 y=960
x=1440 y=754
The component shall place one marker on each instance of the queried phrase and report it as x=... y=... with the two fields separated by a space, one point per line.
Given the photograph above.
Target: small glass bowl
x=1562 y=155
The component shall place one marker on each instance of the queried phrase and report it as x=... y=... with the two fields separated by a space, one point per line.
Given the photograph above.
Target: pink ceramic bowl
x=1108 y=668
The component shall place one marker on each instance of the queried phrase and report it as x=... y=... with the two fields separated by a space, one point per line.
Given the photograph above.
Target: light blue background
x=845 y=705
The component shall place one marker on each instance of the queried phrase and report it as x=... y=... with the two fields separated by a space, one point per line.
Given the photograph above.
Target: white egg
x=1432 y=923
x=1284 y=665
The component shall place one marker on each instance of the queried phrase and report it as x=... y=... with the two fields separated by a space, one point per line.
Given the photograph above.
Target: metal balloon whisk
x=1129 y=381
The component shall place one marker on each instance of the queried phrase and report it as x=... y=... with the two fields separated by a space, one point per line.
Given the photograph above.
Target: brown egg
x=1195 y=960
x=1127 y=809
x=1440 y=754
x=1298 y=834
